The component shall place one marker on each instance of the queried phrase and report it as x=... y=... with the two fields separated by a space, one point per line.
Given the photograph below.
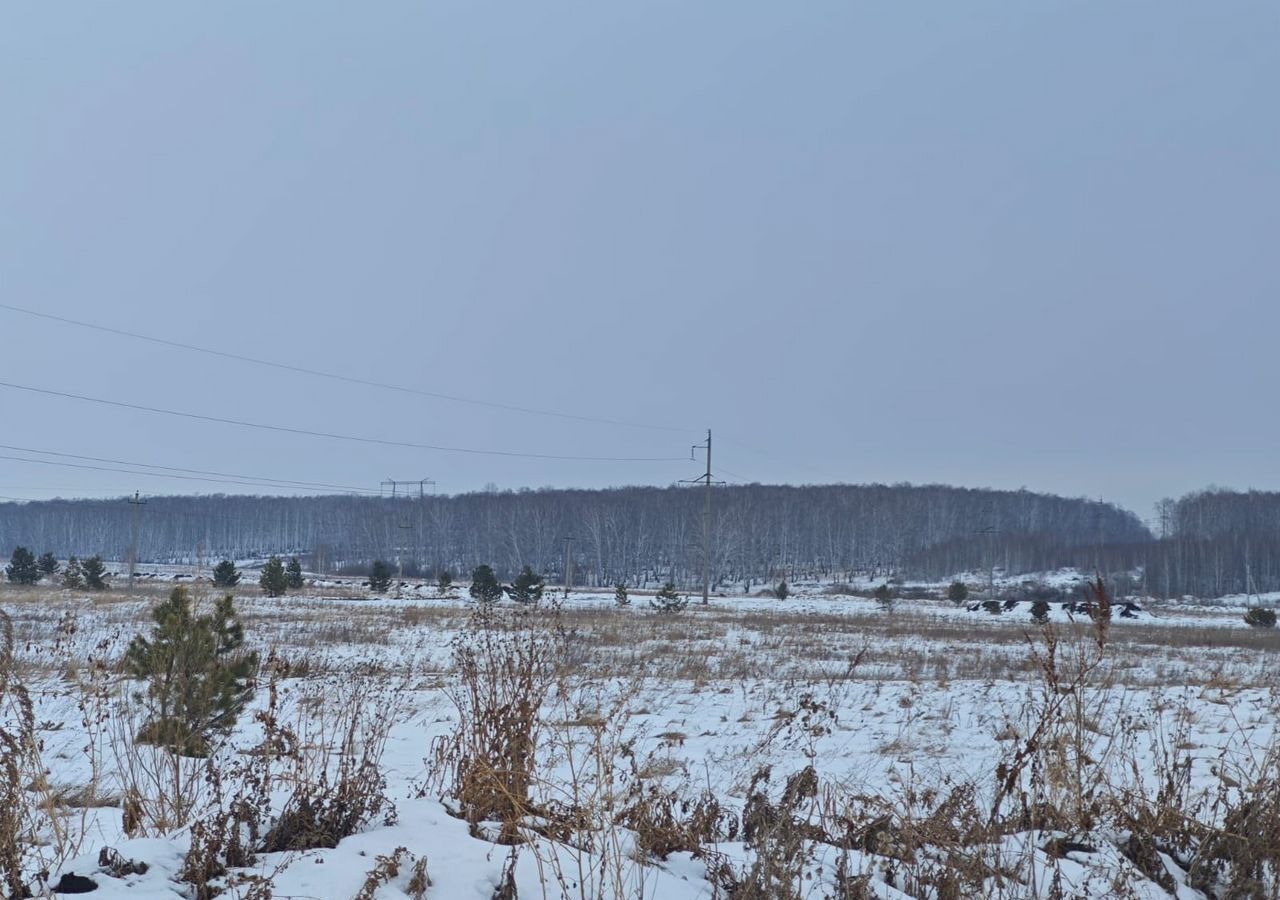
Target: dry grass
x=17 y=741
x=526 y=686
x=506 y=669
x=701 y=645
x=1055 y=780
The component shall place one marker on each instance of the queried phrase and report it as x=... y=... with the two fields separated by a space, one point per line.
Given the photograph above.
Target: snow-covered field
x=820 y=746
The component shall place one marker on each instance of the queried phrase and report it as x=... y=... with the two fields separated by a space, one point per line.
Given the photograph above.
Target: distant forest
x=636 y=535
x=1209 y=543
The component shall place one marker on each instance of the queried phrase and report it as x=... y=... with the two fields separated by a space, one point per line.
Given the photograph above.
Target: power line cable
x=824 y=477
x=112 y=492
x=597 y=420
x=114 y=506
x=332 y=435
x=164 y=508
x=284 y=482
x=68 y=465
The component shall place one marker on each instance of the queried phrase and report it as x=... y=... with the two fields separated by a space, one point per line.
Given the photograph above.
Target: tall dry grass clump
x=506 y=668
x=323 y=757
x=18 y=745
x=42 y=823
x=1058 y=752
x=334 y=778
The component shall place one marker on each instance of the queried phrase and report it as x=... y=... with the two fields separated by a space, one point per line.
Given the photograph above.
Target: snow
x=703 y=700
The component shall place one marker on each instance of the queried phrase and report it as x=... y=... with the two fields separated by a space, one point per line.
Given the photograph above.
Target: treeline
x=1216 y=542
x=635 y=535
x=1209 y=543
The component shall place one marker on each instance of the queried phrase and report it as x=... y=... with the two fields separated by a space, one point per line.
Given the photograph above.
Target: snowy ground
x=892 y=710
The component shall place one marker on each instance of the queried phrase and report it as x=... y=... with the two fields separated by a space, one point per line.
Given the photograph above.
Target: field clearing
x=939 y=750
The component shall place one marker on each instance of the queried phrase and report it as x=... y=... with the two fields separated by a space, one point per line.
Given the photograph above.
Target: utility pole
x=568 y=564
x=991 y=530
x=706 y=516
x=137 y=503
x=420 y=482
x=1097 y=523
x=706 y=529
x=404 y=525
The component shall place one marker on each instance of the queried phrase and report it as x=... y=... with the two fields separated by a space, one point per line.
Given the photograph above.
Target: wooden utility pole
x=403 y=525
x=706 y=529
x=568 y=564
x=991 y=531
x=1097 y=524
x=137 y=503
x=707 y=481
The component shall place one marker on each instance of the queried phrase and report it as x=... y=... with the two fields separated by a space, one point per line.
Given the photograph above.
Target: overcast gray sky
x=987 y=243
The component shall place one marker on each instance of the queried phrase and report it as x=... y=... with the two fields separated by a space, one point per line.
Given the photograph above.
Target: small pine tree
x=667 y=601
x=884 y=597
x=95 y=575
x=1040 y=611
x=48 y=565
x=1257 y=617
x=73 y=575
x=225 y=574
x=995 y=607
x=444 y=581
x=293 y=573
x=198 y=678
x=526 y=587
x=379 y=576
x=484 y=585
x=273 y=580
x=958 y=593
x=782 y=592
x=22 y=568
x=620 y=598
